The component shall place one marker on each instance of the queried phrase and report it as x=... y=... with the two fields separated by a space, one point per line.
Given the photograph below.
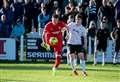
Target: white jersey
x=75 y=33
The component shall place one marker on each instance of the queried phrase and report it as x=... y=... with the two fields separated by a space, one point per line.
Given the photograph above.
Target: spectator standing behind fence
x=117 y=9
x=43 y=19
x=58 y=12
x=101 y=39
x=1 y=4
x=105 y=10
x=91 y=12
x=18 y=30
x=72 y=8
x=112 y=15
x=18 y=10
x=28 y=15
x=70 y=19
x=115 y=34
x=83 y=14
x=54 y=7
x=8 y=16
x=66 y=14
x=37 y=11
x=91 y=37
x=4 y=27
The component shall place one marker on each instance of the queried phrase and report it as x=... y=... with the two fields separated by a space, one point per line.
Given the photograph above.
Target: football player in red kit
x=54 y=29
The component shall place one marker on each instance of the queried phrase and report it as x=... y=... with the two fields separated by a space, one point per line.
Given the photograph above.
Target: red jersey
x=52 y=30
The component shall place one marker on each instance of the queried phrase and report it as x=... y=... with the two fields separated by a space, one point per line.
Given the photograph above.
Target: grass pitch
x=37 y=72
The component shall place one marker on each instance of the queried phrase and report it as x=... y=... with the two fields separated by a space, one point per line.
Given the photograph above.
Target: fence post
x=89 y=48
x=22 y=48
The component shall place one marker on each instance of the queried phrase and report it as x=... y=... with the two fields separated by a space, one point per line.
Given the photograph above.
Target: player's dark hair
x=79 y=16
x=55 y=16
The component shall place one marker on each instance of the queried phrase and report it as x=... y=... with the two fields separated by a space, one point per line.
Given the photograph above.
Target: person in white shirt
x=75 y=33
x=70 y=20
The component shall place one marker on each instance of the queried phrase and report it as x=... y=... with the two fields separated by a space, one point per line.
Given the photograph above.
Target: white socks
x=75 y=61
x=114 y=58
x=95 y=59
x=103 y=60
x=83 y=65
x=72 y=62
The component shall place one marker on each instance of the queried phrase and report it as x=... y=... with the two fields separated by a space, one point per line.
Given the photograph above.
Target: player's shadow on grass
x=92 y=69
x=25 y=68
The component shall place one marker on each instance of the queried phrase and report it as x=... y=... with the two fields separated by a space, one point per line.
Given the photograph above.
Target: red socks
x=57 y=61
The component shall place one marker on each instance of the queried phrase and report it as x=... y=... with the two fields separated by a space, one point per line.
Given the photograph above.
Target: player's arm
x=66 y=29
x=85 y=39
x=96 y=38
x=44 y=43
x=112 y=35
x=95 y=43
x=45 y=31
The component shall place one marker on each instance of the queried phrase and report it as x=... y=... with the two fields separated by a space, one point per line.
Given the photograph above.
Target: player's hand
x=64 y=29
x=46 y=46
x=67 y=37
x=63 y=42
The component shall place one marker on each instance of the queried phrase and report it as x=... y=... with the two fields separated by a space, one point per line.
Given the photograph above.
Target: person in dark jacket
x=117 y=9
x=18 y=10
x=115 y=34
x=28 y=15
x=105 y=10
x=7 y=14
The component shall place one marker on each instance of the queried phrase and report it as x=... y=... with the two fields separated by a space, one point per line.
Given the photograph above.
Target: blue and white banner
x=7 y=49
x=35 y=51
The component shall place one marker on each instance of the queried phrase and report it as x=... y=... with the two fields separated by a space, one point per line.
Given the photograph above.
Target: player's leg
x=95 y=57
x=72 y=59
x=103 y=58
x=73 y=63
x=98 y=47
x=89 y=48
x=81 y=55
x=68 y=56
x=57 y=62
x=75 y=60
x=104 y=48
x=115 y=57
x=117 y=48
x=82 y=63
x=57 y=52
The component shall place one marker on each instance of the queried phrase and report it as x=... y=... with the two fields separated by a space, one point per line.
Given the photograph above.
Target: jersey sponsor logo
x=76 y=31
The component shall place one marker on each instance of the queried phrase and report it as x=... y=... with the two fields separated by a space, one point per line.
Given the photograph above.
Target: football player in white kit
x=75 y=32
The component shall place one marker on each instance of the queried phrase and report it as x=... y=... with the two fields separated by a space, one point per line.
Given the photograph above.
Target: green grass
x=11 y=72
